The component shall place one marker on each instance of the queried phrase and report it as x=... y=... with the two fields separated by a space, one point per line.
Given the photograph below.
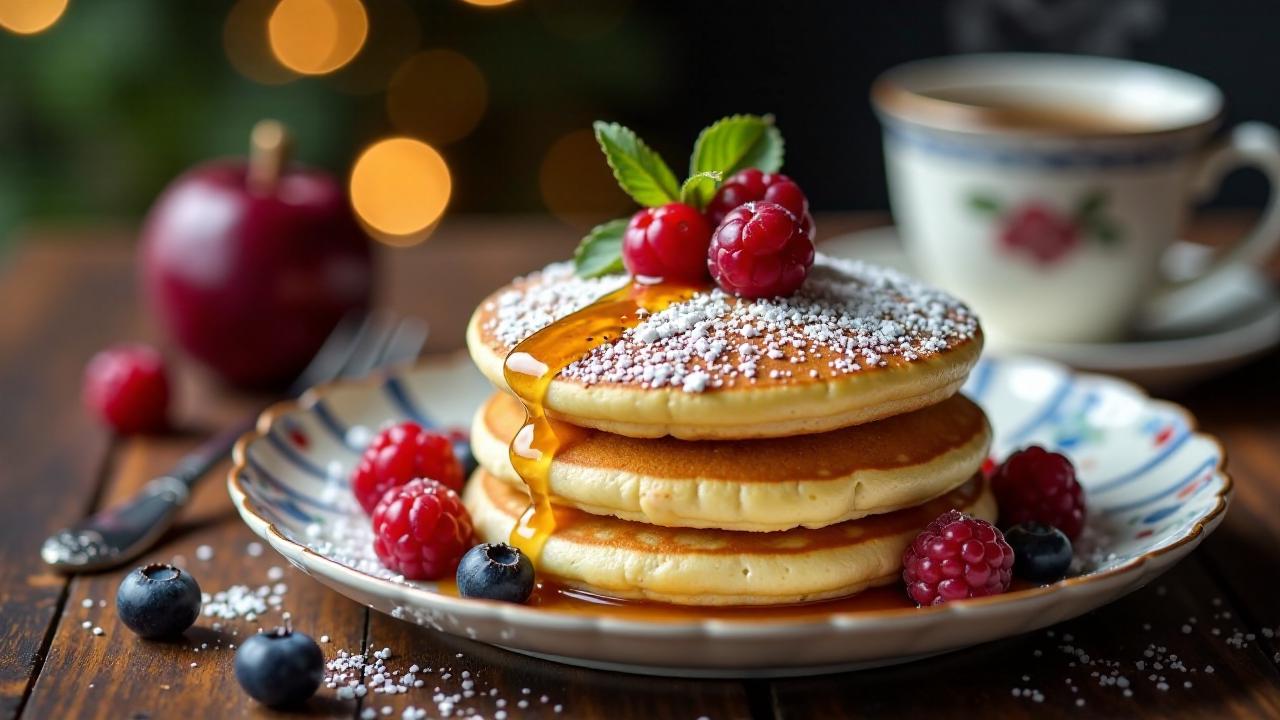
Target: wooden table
x=62 y=298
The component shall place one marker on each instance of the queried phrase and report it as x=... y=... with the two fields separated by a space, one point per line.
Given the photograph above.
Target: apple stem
x=268 y=154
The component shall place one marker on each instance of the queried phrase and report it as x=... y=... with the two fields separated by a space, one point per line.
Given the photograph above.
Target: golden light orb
x=400 y=188
x=316 y=37
x=488 y=3
x=438 y=95
x=28 y=17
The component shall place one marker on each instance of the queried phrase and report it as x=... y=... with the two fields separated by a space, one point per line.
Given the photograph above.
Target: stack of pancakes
x=740 y=452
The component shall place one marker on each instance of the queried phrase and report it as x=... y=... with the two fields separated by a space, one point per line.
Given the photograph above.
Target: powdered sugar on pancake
x=849 y=316
x=536 y=300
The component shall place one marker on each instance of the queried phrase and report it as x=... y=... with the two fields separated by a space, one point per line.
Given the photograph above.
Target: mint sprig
x=600 y=252
x=736 y=143
x=700 y=188
x=639 y=170
x=727 y=146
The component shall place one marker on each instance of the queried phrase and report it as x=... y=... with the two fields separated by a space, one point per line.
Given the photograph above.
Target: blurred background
x=102 y=103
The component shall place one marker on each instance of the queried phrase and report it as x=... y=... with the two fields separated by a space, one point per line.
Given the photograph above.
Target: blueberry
x=279 y=668
x=158 y=601
x=495 y=571
x=1041 y=553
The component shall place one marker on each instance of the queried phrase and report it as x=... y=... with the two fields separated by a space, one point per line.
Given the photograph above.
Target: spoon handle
x=122 y=532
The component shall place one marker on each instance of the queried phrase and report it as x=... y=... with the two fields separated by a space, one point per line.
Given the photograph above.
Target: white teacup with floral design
x=1045 y=189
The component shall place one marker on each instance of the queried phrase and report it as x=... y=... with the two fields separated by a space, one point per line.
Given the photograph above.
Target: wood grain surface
x=1209 y=624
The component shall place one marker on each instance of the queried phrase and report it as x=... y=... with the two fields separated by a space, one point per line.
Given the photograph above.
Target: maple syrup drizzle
x=532 y=365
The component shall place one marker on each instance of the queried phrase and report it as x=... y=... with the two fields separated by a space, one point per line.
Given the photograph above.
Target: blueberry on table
x=158 y=601
x=279 y=668
x=495 y=571
x=1041 y=552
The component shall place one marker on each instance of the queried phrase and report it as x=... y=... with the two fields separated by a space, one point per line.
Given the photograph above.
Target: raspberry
x=402 y=453
x=421 y=530
x=956 y=557
x=1035 y=485
x=760 y=250
x=751 y=185
x=668 y=242
x=128 y=387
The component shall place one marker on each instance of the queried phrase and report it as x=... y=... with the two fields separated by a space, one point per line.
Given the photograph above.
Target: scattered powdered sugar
x=348 y=539
x=358 y=436
x=449 y=690
x=848 y=316
x=364 y=676
x=242 y=601
x=1141 y=670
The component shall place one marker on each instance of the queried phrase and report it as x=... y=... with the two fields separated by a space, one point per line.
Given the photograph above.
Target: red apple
x=248 y=266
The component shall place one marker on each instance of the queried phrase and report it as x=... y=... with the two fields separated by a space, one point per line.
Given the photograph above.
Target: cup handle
x=1175 y=303
x=1251 y=144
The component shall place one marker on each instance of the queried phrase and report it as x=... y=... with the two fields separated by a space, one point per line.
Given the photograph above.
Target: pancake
x=855 y=344
x=752 y=485
x=621 y=559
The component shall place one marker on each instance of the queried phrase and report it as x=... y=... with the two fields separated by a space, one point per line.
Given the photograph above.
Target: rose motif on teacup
x=1035 y=229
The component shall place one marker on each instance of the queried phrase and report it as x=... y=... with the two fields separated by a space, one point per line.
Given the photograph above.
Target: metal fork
x=358 y=345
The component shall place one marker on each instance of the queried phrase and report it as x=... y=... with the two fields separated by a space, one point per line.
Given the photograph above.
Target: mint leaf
x=638 y=169
x=1107 y=232
x=699 y=189
x=600 y=252
x=738 y=142
x=1090 y=205
x=984 y=204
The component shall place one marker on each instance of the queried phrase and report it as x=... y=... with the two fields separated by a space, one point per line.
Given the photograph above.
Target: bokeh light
x=28 y=17
x=576 y=183
x=315 y=37
x=399 y=189
x=488 y=3
x=437 y=95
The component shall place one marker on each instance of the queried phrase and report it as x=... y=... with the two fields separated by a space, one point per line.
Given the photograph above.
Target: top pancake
x=857 y=343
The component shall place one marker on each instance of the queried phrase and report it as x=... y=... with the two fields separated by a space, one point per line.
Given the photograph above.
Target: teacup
x=1045 y=189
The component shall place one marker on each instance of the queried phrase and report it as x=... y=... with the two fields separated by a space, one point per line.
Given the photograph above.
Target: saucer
x=1198 y=339
x=1155 y=488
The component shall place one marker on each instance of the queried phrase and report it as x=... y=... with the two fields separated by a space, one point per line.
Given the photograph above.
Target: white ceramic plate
x=1208 y=336
x=1155 y=487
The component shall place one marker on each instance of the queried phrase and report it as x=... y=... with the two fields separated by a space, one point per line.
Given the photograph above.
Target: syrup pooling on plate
x=548 y=595
x=535 y=362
